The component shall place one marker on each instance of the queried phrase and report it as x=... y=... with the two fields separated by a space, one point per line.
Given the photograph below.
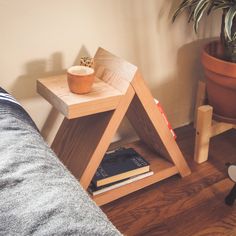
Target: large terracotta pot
x=220 y=83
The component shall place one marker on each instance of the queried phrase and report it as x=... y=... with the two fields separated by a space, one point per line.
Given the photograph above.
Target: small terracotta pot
x=220 y=83
x=80 y=79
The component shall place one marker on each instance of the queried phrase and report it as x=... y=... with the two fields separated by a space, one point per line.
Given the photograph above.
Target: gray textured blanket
x=38 y=196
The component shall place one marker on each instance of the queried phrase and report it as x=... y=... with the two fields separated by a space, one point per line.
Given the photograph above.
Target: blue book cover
x=119 y=165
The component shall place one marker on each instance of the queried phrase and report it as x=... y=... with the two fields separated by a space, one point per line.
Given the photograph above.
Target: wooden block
x=203 y=133
x=220 y=127
x=55 y=90
x=113 y=70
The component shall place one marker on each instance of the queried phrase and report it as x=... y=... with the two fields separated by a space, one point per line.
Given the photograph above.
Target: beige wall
x=40 y=38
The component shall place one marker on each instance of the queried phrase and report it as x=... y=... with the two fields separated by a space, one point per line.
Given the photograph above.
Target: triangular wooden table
x=93 y=119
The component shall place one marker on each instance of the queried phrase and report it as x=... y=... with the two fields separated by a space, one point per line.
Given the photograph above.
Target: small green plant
x=197 y=8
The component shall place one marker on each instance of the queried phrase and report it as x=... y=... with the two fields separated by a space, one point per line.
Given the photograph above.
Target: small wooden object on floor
x=206 y=126
x=93 y=119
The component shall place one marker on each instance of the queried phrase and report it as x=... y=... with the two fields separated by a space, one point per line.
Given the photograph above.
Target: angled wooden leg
x=106 y=138
x=151 y=127
x=81 y=143
x=203 y=133
x=77 y=139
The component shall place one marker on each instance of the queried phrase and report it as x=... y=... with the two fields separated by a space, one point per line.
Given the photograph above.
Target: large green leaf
x=213 y=4
x=196 y=9
x=184 y=4
x=229 y=17
x=199 y=10
x=223 y=5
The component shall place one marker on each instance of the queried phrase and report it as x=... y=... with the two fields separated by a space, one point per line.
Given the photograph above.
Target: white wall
x=41 y=38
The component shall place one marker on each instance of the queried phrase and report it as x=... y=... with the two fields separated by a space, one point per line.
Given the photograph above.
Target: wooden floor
x=193 y=205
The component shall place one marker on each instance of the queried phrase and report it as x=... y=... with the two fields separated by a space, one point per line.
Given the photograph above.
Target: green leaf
x=234 y=37
x=191 y=15
x=229 y=17
x=184 y=4
x=222 y=6
x=212 y=4
x=198 y=13
x=210 y=7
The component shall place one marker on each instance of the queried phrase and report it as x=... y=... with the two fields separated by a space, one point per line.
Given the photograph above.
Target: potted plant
x=218 y=57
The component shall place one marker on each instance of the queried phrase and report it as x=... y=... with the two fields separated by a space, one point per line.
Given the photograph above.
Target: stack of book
x=118 y=168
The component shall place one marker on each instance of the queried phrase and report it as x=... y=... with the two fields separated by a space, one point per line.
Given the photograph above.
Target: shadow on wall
x=53 y=114
x=165 y=13
x=189 y=72
x=25 y=85
x=170 y=59
x=206 y=28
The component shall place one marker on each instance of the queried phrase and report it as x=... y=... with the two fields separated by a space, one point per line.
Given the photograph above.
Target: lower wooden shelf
x=162 y=169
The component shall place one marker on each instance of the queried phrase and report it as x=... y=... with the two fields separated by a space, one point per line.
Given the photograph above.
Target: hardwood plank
x=164 y=202
x=200 y=207
x=193 y=205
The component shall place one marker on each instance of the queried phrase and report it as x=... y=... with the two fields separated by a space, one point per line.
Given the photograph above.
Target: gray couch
x=38 y=196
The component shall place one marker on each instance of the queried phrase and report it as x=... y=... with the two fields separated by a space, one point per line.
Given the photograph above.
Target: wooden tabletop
x=55 y=90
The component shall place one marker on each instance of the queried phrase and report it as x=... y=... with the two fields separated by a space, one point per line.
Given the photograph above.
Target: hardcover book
x=119 y=165
x=94 y=190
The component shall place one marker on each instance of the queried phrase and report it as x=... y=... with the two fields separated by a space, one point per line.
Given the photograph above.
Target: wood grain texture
x=113 y=70
x=220 y=127
x=55 y=90
x=203 y=133
x=144 y=128
x=82 y=142
x=190 y=206
x=162 y=169
x=206 y=128
x=148 y=120
x=201 y=99
x=76 y=140
x=106 y=138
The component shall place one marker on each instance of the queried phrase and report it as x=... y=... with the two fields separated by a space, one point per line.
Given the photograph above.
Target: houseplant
x=218 y=57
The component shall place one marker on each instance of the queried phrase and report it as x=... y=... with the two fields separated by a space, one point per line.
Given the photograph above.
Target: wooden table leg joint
x=206 y=126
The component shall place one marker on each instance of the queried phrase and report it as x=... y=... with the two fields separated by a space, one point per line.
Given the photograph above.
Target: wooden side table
x=92 y=120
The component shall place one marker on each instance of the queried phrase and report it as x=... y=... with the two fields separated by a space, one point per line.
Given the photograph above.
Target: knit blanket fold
x=38 y=195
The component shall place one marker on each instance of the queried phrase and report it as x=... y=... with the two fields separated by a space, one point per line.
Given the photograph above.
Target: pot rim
x=215 y=64
x=213 y=57
x=80 y=70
